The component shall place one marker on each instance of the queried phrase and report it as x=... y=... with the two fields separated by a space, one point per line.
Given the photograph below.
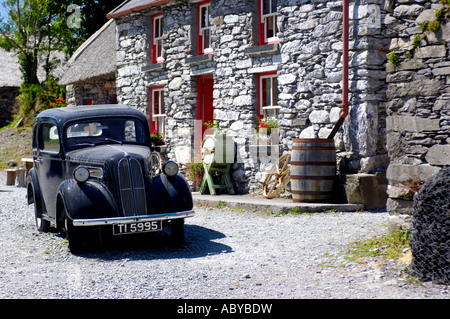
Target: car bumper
x=132 y=219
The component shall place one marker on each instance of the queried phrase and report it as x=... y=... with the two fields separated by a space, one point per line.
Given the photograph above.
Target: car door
x=48 y=163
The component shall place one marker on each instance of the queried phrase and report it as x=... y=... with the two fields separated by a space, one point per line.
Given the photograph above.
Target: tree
x=37 y=29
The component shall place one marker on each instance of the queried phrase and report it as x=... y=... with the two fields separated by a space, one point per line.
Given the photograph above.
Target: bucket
x=313 y=169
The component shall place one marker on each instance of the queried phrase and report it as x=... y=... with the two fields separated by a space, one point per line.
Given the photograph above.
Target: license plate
x=134 y=228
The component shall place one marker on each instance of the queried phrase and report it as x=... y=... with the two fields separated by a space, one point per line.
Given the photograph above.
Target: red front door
x=205 y=108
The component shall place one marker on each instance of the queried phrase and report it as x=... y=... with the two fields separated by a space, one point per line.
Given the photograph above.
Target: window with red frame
x=268 y=22
x=268 y=95
x=157 y=111
x=204 y=28
x=157 y=41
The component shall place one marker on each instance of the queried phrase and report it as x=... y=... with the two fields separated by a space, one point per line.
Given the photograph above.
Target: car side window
x=49 y=138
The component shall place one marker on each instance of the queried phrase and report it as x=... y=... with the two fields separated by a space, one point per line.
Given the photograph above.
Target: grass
x=14 y=144
x=221 y=204
x=388 y=247
x=393 y=58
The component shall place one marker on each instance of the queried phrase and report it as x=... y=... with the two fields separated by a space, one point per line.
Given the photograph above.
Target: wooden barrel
x=313 y=169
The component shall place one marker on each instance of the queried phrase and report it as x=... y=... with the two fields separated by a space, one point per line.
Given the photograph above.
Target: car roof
x=68 y=113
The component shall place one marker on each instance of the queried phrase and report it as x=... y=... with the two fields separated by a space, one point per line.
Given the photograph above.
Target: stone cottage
x=90 y=77
x=235 y=62
x=10 y=80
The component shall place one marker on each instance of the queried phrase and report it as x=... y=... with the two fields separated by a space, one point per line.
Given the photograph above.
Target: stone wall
x=8 y=97
x=418 y=107
x=98 y=91
x=311 y=78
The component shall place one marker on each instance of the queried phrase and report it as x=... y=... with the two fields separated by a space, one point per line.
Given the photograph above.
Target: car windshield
x=105 y=130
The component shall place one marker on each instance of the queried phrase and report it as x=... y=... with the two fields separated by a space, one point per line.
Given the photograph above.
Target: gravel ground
x=228 y=255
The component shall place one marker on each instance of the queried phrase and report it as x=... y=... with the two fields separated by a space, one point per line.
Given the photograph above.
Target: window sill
x=153 y=67
x=262 y=49
x=199 y=59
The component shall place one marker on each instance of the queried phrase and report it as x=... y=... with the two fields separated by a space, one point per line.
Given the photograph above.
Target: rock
x=400 y=221
x=407 y=11
x=438 y=155
x=335 y=114
x=411 y=124
x=319 y=116
x=430 y=51
x=399 y=206
x=367 y=189
x=426 y=16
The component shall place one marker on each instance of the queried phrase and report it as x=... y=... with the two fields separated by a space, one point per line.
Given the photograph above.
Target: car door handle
x=38 y=160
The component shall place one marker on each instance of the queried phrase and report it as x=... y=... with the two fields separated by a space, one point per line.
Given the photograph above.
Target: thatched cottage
x=187 y=62
x=10 y=80
x=91 y=71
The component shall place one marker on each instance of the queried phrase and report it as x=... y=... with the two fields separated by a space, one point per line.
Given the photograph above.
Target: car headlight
x=81 y=174
x=170 y=168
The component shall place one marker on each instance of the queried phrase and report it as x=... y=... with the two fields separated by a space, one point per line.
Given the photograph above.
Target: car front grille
x=132 y=188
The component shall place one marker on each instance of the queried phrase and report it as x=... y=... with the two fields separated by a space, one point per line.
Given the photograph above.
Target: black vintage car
x=93 y=170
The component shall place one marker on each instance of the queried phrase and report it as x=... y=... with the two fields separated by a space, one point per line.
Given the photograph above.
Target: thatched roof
x=95 y=58
x=130 y=6
x=10 y=75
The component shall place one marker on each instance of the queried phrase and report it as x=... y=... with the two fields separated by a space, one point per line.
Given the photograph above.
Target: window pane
x=206 y=39
x=265 y=90
x=157 y=27
x=156 y=101
x=158 y=48
x=204 y=23
x=270 y=27
x=271 y=113
x=159 y=125
x=266 y=6
x=161 y=103
x=275 y=90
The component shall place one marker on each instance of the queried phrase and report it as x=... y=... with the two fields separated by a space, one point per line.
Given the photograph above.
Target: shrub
x=34 y=98
x=195 y=173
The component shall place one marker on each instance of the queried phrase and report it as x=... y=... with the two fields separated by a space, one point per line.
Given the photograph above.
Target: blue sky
x=2 y=10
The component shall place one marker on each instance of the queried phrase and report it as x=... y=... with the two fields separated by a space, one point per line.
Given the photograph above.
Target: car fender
x=34 y=192
x=170 y=194
x=86 y=200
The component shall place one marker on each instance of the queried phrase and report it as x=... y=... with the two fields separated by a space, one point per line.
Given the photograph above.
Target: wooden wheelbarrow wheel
x=278 y=177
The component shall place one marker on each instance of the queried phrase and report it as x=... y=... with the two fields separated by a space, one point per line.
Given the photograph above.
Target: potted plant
x=156 y=138
x=266 y=136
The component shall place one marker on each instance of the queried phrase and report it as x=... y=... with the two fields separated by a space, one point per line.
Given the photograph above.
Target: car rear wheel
x=177 y=229
x=42 y=224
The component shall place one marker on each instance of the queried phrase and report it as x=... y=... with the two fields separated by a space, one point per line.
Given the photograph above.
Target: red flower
x=266 y=125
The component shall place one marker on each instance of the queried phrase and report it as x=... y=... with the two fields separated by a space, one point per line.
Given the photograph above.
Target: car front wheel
x=75 y=237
